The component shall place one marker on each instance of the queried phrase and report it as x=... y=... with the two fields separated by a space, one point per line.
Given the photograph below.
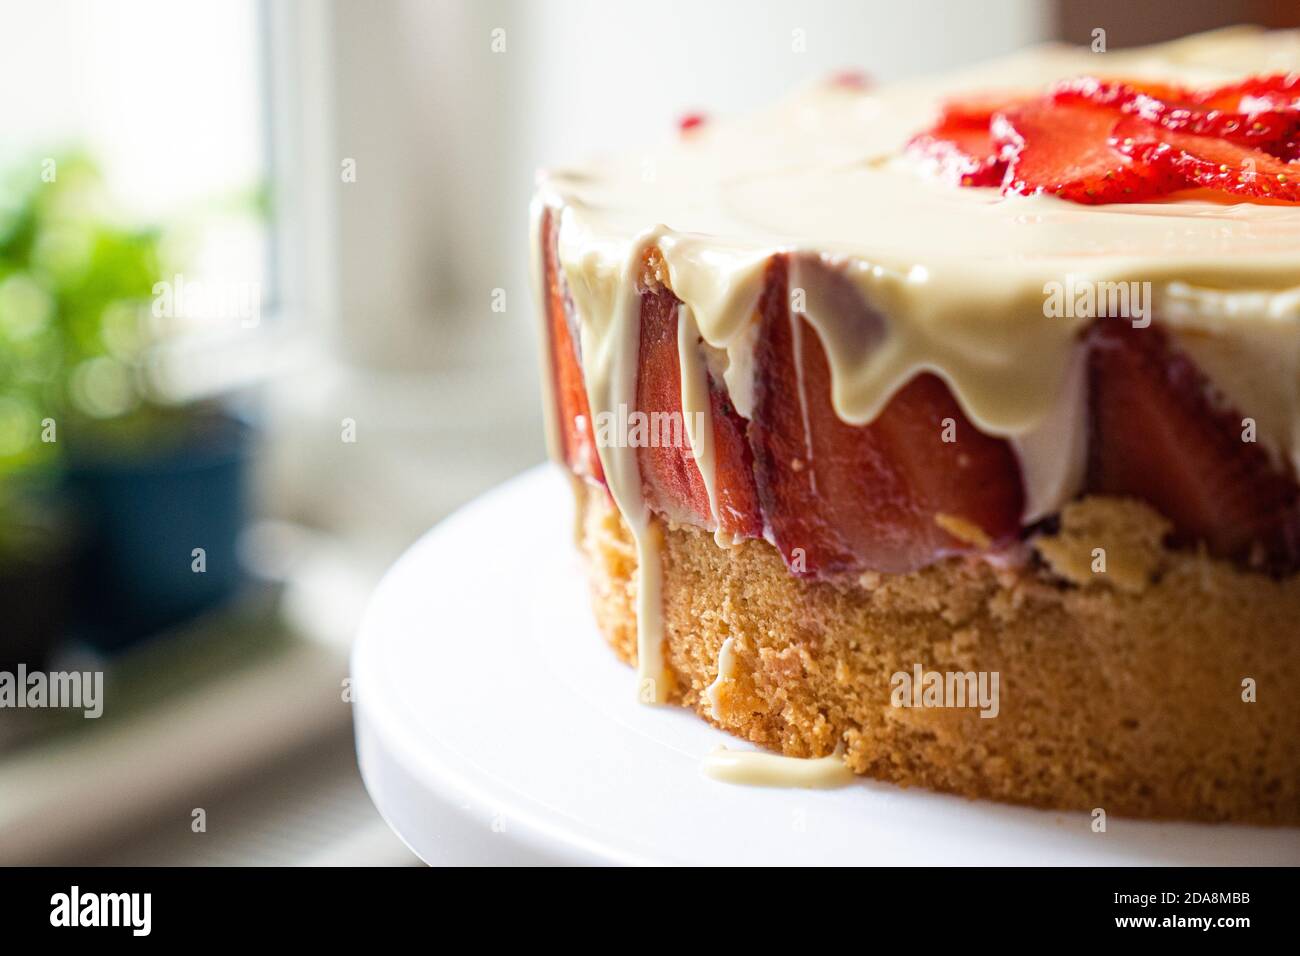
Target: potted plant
x=36 y=562
x=155 y=488
x=37 y=537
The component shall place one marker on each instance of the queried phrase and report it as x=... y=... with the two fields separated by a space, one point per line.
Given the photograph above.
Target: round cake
x=951 y=429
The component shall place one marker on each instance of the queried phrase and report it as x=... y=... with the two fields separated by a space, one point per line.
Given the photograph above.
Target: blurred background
x=265 y=317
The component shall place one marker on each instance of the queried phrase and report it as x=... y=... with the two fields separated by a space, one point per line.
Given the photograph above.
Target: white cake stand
x=494 y=726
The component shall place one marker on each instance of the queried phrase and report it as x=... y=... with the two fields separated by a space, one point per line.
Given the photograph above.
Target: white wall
x=166 y=97
x=164 y=94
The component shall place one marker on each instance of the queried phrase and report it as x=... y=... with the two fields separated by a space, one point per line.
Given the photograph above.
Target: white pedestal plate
x=494 y=726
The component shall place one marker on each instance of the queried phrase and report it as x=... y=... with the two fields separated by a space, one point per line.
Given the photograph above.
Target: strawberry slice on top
x=1066 y=150
x=1178 y=109
x=1277 y=91
x=978 y=109
x=1091 y=140
x=962 y=153
x=960 y=147
x=1210 y=162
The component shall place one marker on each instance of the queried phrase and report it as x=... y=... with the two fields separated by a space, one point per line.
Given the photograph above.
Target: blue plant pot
x=160 y=532
x=36 y=586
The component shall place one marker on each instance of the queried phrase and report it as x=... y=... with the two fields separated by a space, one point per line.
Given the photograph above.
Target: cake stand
x=495 y=727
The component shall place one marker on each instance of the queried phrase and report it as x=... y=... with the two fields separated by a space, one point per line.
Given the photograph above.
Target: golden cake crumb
x=1106 y=541
x=963 y=530
x=1121 y=690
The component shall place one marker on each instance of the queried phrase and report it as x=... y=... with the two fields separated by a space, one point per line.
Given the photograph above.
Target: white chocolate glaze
x=901 y=273
x=1053 y=454
x=536 y=276
x=699 y=430
x=754 y=768
x=726 y=673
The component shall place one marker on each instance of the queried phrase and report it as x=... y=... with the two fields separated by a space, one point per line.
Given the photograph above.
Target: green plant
x=75 y=288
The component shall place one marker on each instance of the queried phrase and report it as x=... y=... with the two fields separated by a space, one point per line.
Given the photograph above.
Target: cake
x=950 y=429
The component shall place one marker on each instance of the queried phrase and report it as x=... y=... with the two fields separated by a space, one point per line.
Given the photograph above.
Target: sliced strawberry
x=977 y=109
x=960 y=147
x=1210 y=162
x=1065 y=143
x=842 y=498
x=960 y=153
x=1271 y=102
x=739 y=512
x=1064 y=149
x=1277 y=91
x=1260 y=130
x=1160 y=434
x=572 y=411
x=1119 y=93
x=670 y=477
x=1175 y=108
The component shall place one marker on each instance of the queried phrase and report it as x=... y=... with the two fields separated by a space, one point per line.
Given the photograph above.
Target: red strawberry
x=1064 y=149
x=739 y=512
x=572 y=411
x=1278 y=91
x=1260 y=130
x=977 y=109
x=1210 y=162
x=1160 y=434
x=960 y=146
x=1271 y=102
x=670 y=478
x=961 y=153
x=842 y=498
x=690 y=121
x=1120 y=93
x=1175 y=109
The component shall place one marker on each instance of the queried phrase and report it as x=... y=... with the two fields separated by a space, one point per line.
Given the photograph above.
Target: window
x=167 y=100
